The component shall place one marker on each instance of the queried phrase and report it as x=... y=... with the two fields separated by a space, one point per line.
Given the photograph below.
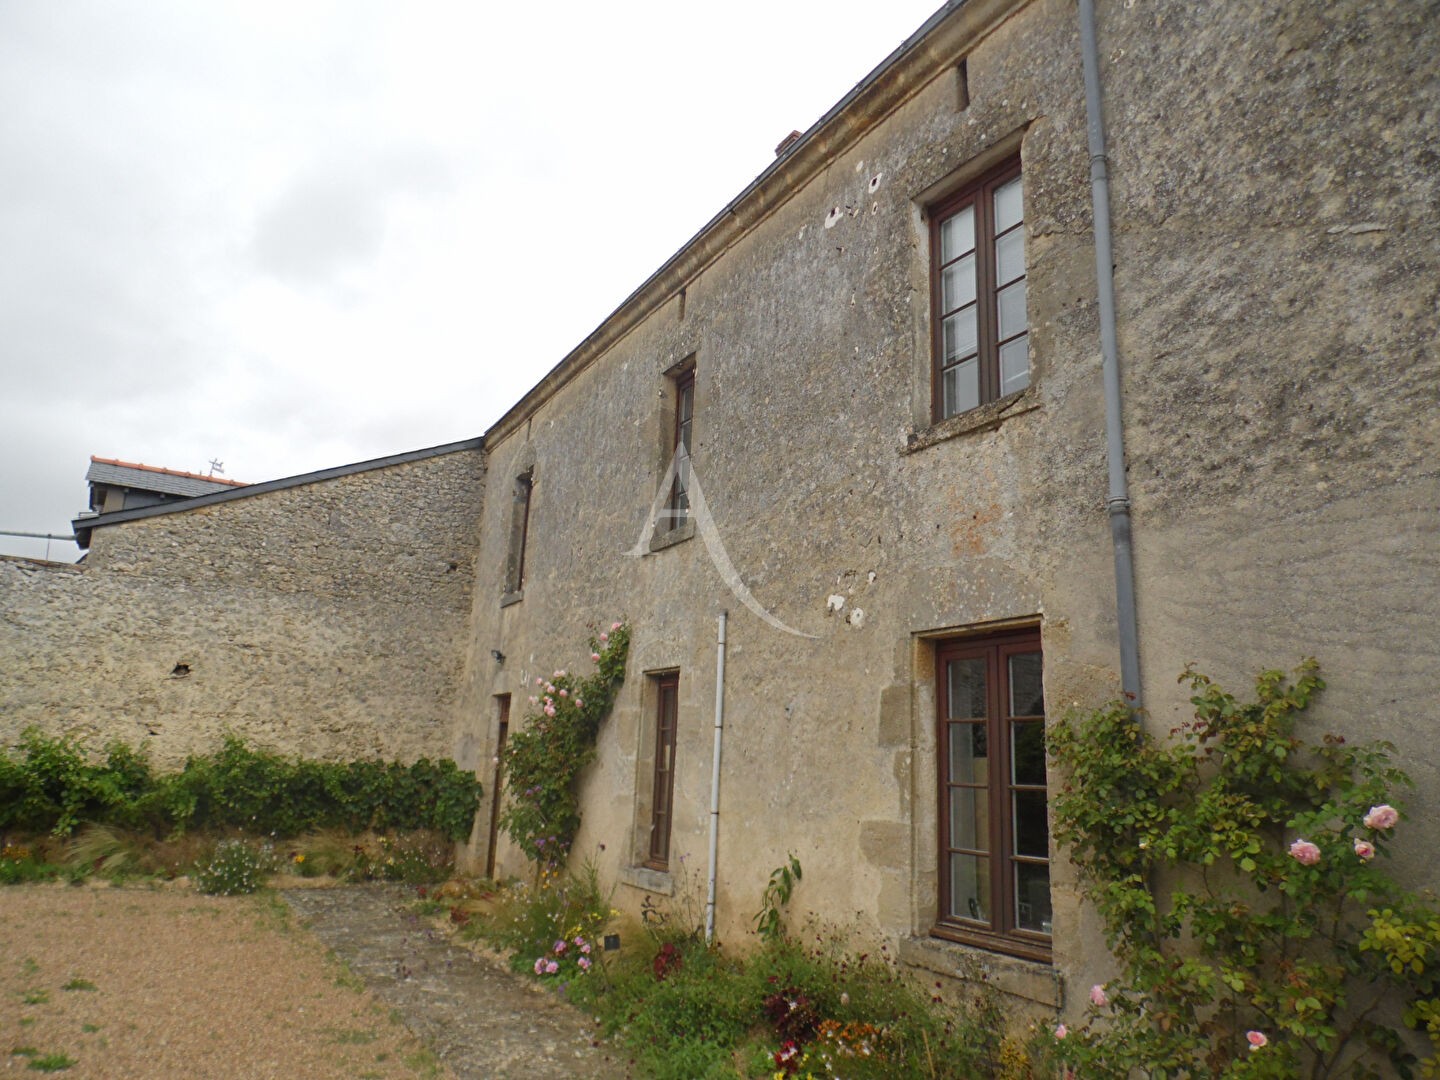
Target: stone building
x=863 y=415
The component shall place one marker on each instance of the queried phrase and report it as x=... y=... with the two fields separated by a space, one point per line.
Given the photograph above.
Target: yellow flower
x=299 y=858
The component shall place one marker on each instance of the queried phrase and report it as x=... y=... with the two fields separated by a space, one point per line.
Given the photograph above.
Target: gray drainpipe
x=1118 y=502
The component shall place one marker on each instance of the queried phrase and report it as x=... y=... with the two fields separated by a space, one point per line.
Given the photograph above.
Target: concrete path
x=479 y=1018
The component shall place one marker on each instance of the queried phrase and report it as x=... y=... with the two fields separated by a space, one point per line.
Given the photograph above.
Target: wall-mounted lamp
x=498 y=655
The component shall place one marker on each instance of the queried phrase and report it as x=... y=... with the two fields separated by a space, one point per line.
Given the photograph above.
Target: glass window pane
x=1027 y=692
x=1032 y=897
x=1009 y=205
x=960 y=389
x=969 y=754
x=1032 y=831
x=957 y=234
x=968 y=699
x=1015 y=365
x=970 y=818
x=1027 y=752
x=959 y=335
x=1010 y=257
x=957 y=284
x=1011 y=301
x=970 y=888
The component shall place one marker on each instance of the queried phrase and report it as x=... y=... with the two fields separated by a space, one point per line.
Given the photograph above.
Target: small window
x=519 y=526
x=993 y=800
x=977 y=248
x=678 y=506
x=667 y=707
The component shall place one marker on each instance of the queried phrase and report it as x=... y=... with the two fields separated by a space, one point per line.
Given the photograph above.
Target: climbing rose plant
x=543 y=762
x=1238 y=872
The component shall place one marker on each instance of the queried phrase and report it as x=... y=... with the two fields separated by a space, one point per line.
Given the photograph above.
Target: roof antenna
x=217 y=466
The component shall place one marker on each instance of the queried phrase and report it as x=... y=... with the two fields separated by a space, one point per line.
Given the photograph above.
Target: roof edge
x=939 y=41
x=84 y=526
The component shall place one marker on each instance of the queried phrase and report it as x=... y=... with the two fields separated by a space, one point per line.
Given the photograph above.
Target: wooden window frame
x=997 y=932
x=677 y=506
x=662 y=787
x=978 y=194
x=519 y=534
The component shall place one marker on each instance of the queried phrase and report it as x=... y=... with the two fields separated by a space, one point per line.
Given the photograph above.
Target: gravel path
x=480 y=1019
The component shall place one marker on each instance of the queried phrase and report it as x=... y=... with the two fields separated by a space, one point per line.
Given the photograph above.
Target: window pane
x=1015 y=365
x=1010 y=257
x=969 y=754
x=969 y=819
x=1032 y=831
x=1032 y=897
x=960 y=390
x=968 y=700
x=1027 y=693
x=1011 y=302
x=1027 y=752
x=1009 y=205
x=957 y=284
x=970 y=888
x=959 y=334
x=957 y=234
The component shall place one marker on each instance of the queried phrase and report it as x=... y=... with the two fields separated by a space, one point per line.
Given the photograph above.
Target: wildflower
x=540 y=966
x=1061 y=1031
x=595 y=656
x=551 y=967
x=299 y=858
x=585 y=948
x=1364 y=850
x=844 y=998
x=1098 y=997
x=1256 y=1039
x=560 y=948
x=1382 y=817
x=1305 y=853
x=584 y=963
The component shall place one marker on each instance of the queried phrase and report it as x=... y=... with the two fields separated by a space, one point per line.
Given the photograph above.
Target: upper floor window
x=977 y=246
x=679 y=502
x=519 y=527
x=994 y=826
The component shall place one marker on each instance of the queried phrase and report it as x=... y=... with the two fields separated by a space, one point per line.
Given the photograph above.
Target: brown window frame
x=677 y=506
x=519 y=534
x=979 y=194
x=999 y=928
x=662 y=787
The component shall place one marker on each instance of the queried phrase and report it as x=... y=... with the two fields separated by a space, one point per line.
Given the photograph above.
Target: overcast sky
x=294 y=235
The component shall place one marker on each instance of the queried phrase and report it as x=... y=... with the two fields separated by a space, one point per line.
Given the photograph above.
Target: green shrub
x=1238 y=871
x=235 y=868
x=19 y=866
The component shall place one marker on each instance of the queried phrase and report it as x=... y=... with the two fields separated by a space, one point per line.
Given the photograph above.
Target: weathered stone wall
x=325 y=619
x=1275 y=197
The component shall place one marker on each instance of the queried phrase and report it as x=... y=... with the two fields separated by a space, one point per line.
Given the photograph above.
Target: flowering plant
x=1236 y=870
x=543 y=762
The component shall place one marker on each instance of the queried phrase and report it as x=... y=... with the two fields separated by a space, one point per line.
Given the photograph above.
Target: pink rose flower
x=551 y=967
x=579 y=704
x=534 y=700
x=615 y=625
x=585 y=948
x=539 y=681
x=564 y=692
x=1304 y=852
x=604 y=637
x=1364 y=850
x=560 y=948
x=549 y=710
x=1061 y=1031
x=1256 y=1039
x=595 y=656
x=1097 y=996
x=559 y=674
x=1382 y=817
x=549 y=688
x=540 y=966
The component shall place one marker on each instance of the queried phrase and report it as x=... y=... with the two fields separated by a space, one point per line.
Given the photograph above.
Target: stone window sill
x=642 y=877
x=512 y=598
x=985 y=418
x=1029 y=980
x=677 y=535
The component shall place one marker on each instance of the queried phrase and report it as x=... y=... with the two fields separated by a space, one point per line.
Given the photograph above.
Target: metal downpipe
x=1118 y=501
x=715 y=781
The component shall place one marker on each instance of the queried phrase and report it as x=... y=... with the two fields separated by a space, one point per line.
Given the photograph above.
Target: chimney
x=787 y=142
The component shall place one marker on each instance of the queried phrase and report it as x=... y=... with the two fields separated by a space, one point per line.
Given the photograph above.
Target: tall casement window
x=977 y=245
x=679 y=503
x=994 y=833
x=519 y=525
x=667 y=704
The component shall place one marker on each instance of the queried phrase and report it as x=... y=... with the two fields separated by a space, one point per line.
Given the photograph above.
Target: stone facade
x=324 y=619
x=1274 y=194
x=1275 y=182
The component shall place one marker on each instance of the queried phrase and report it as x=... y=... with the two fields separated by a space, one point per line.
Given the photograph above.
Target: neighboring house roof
x=153 y=478
x=83 y=526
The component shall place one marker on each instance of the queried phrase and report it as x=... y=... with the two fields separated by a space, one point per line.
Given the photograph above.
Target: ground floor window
x=994 y=856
